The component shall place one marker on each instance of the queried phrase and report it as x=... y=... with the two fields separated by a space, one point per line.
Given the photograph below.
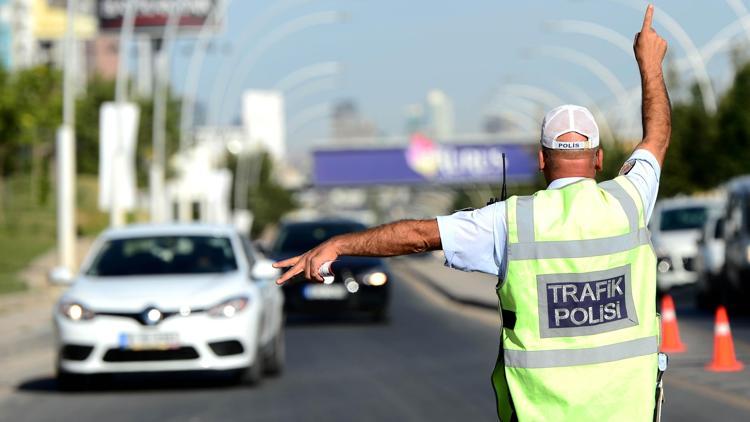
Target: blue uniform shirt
x=476 y=240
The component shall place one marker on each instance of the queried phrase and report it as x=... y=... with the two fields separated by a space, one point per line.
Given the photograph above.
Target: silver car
x=676 y=228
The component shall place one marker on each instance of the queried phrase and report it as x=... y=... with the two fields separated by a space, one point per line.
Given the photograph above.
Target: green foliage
x=733 y=143
x=145 y=151
x=709 y=149
x=615 y=155
x=268 y=200
x=98 y=91
x=27 y=227
x=30 y=112
x=87 y=128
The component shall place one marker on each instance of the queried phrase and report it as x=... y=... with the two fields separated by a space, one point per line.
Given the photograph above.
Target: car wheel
x=67 y=381
x=253 y=374
x=379 y=315
x=274 y=360
x=707 y=297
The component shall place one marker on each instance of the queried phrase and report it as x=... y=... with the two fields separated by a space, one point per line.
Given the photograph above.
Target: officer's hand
x=309 y=262
x=648 y=46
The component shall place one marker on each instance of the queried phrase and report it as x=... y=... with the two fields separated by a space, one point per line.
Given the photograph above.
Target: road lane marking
x=713 y=393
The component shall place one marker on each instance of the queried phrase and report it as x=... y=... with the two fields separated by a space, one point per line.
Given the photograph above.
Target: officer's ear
x=540 y=158
x=599 y=159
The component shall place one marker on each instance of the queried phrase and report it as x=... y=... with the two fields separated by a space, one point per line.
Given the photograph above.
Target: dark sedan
x=360 y=284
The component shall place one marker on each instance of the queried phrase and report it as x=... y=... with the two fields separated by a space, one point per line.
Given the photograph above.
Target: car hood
x=683 y=242
x=167 y=292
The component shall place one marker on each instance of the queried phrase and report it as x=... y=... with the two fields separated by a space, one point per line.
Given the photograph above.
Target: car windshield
x=683 y=218
x=301 y=237
x=162 y=255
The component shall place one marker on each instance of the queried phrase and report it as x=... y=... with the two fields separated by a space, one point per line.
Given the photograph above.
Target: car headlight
x=229 y=307
x=377 y=278
x=74 y=311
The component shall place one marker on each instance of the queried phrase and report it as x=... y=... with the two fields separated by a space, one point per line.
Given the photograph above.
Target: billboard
x=263 y=121
x=118 y=131
x=152 y=15
x=425 y=162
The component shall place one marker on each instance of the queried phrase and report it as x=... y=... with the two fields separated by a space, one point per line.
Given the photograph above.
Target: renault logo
x=151 y=316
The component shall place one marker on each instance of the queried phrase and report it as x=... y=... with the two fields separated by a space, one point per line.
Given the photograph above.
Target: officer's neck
x=551 y=176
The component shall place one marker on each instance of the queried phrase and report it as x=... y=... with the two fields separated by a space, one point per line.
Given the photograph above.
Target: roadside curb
x=426 y=280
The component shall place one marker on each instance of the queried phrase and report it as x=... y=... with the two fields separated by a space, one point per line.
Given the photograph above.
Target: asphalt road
x=431 y=362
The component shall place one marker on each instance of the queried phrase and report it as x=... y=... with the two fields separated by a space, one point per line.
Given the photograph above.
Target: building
x=102 y=56
x=32 y=32
x=440 y=117
x=347 y=123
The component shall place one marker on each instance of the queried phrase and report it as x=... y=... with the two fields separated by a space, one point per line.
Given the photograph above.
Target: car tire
x=253 y=374
x=379 y=315
x=707 y=298
x=67 y=381
x=274 y=359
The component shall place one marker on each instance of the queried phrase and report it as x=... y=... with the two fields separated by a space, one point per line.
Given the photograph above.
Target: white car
x=171 y=298
x=676 y=226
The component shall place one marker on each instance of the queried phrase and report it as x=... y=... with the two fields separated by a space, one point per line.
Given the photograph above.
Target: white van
x=676 y=227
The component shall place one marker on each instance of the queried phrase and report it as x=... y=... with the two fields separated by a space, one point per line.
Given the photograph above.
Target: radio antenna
x=503 y=189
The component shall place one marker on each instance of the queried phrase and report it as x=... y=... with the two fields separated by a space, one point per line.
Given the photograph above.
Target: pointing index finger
x=648 y=18
x=287 y=262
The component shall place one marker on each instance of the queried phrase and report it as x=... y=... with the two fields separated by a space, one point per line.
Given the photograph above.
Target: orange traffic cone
x=670 y=341
x=724 y=358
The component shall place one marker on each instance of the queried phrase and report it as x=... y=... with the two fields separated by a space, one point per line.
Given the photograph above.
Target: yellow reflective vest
x=580 y=331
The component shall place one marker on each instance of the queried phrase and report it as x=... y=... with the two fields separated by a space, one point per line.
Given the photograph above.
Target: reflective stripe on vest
x=573 y=357
x=528 y=248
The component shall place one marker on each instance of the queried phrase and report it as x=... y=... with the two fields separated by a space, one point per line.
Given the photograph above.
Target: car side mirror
x=261 y=247
x=60 y=276
x=263 y=270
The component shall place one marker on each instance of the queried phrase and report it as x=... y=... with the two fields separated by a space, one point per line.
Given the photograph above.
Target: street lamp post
x=65 y=152
x=161 y=76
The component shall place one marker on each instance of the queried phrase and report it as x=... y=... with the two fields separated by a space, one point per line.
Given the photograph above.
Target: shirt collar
x=562 y=182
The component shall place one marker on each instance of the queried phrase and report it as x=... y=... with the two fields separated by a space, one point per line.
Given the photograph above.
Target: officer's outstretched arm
x=398 y=238
x=656 y=112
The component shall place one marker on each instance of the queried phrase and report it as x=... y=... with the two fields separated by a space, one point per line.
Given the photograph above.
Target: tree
x=693 y=142
x=732 y=153
x=268 y=200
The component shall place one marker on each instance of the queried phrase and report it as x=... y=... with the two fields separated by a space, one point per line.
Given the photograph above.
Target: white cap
x=569 y=118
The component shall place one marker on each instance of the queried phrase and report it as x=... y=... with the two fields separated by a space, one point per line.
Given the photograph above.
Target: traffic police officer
x=575 y=264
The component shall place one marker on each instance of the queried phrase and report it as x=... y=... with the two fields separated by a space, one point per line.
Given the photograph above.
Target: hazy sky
x=393 y=51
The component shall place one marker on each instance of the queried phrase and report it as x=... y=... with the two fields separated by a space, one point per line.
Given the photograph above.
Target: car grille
x=140 y=315
x=125 y=355
x=75 y=352
x=688 y=264
x=227 y=348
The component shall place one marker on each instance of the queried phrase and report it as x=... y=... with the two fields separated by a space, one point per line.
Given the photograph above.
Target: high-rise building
x=415 y=118
x=102 y=56
x=347 y=123
x=32 y=32
x=440 y=115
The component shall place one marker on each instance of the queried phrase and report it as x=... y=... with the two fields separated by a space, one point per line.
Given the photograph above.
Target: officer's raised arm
x=656 y=112
x=398 y=238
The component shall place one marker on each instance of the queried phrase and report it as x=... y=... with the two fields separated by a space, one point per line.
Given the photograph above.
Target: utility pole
x=162 y=47
x=116 y=212
x=65 y=152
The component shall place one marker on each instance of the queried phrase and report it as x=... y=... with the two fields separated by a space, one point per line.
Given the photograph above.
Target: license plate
x=149 y=341
x=325 y=291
